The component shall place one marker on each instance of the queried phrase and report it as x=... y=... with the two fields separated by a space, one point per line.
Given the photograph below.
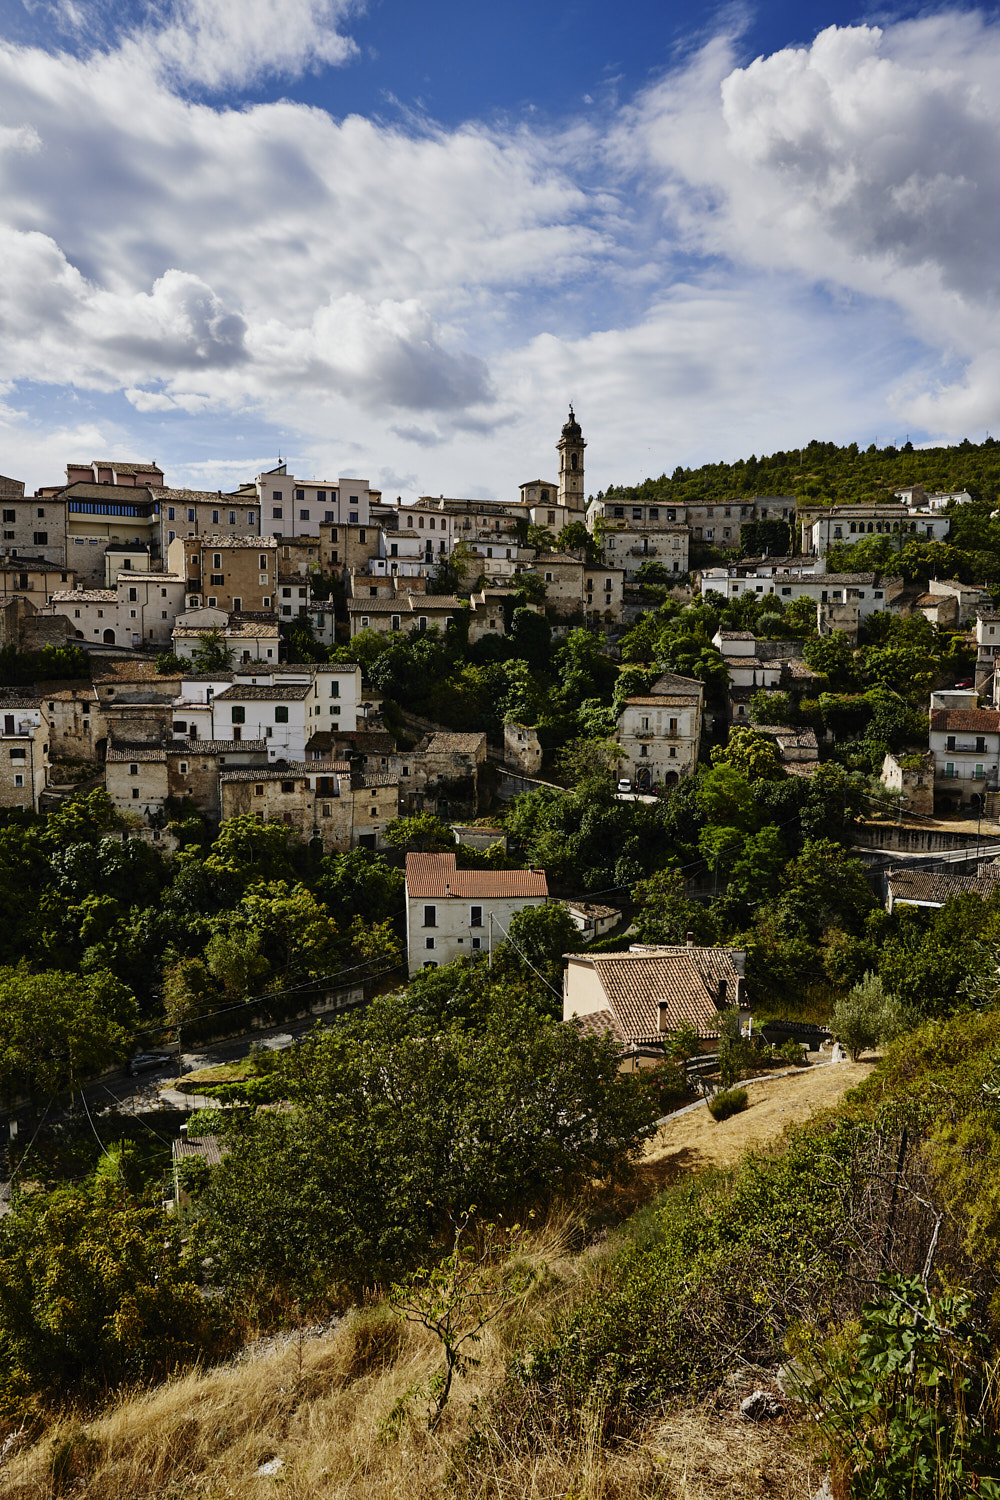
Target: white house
x=965 y=742
x=283 y=707
x=660 y=733
x=786 y=580
x=452 y=913
x=292 y=507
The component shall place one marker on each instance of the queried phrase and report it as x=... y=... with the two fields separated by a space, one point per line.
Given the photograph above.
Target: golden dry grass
x=323 y=1407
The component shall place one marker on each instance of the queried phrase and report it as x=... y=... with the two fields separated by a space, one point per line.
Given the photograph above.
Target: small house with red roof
x=452 y=913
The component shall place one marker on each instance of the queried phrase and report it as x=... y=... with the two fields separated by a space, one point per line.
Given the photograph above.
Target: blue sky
x=394 y=240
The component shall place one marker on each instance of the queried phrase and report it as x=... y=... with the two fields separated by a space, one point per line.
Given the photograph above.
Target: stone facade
x=77 y=726
x=24 y=751
x=522 y=748
x=660 y=733
x=227 y=572
x=316 y=798
x=913 y=777
x=442 y=775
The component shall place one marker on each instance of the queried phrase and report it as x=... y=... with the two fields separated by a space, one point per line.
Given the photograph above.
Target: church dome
x=572 y=428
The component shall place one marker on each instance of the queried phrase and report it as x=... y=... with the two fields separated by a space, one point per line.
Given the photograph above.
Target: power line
x=527 y=960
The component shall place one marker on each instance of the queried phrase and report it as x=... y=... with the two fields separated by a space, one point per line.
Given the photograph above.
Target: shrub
x=792 y=1052
x=728 y=1102
x=866 y=1016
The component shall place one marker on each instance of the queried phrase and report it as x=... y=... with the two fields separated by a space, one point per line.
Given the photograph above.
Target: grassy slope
x=321 y=1405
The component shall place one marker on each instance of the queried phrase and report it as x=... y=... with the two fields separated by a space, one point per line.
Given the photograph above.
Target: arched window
x=572 y=461
x=870 y=527
x=854 y=527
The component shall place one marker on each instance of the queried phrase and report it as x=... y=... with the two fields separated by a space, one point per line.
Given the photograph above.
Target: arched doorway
x=670 y=779
x=642 y=779
x=109 y=637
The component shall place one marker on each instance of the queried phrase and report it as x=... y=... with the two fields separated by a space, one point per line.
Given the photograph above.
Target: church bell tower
x=570 y=448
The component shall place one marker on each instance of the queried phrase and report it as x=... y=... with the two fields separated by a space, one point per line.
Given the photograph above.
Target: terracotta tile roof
x=136 y=671
x=935 y=887
x=83 y=596
x=373 y=779
x=663 y=700
x=287 y=770
x=32 y=565
x=462 y=743
x=434 y=877
x=978 y=720
x=686 y=979
x=215 y=748
x=119 y=465
x=129 y=753
x=673 y=682
x=294 y=691
x=225 y=540
x=598 y=1023
x=205 y=1146
x=210 y=497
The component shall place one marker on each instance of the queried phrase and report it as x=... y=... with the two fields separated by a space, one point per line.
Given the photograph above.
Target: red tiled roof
x=979 y=720
x=434 y=877
x=687 y=979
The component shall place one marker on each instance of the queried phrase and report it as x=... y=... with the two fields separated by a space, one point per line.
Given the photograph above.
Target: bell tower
x=570 y=449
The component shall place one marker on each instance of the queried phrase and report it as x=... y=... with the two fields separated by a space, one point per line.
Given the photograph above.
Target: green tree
x=396 y=1125
x=212 y=654
x=536 y=941
x=421 y=833
x=866 y=1016
x=59 y=1029
x=666 y=914
x=754 y=755
x=575 y=538
x=833 y=655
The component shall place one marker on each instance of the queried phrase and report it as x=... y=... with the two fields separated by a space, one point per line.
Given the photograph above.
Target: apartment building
x=195 y=513
x=227 y=572
x=291 y=507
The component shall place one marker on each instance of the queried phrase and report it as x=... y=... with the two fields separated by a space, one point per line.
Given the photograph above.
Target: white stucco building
x=452 y=913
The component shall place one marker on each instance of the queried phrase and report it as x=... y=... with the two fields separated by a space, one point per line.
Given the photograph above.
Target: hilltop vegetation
x=824 y=474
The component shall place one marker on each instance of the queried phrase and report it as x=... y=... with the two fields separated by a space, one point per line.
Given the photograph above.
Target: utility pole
x=489 y=940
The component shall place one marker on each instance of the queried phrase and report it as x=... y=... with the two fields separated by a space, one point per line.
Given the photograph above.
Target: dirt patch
x=693 y=1141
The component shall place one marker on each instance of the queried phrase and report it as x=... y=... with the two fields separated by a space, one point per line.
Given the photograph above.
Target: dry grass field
x=312 y=1418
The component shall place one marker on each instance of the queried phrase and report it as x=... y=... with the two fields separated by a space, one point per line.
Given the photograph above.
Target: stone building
x=34 y=579
x=660 y=733
x=576 y=588
x=343 y=547
x=319 y=799
x=77 y=726
x=154 y=781
x=442 y=775
x=195 y=513
x=291 y=507
x=403 y=612
x=227 y=572
x=24 y=750
x=522 y=748
x=913 y=777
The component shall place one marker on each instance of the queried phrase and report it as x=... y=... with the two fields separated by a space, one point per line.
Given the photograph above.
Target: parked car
x=624 y=785
x=145 y=1062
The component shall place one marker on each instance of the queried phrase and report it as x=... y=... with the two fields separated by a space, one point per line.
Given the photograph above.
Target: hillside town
x=525 y=841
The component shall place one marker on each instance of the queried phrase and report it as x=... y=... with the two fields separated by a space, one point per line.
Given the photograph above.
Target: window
x=281 y=714
x=288 y=786
x=19 y=781
x=333 y=533
x=215 y=517
x=183 y=768
x=190 y=513
x=548 y=578
x=477 y=942
x=303 y=515
x=287 y=593
x=8 y=536
x=216 y=559
x=362 y=534
x=353 y=516
x=428 y=943
x=950 y=743
x=18 y=755
x=133 y=770
x=180 y=726
x=10 y=515
x=475 y=916
x=41 y=538
x=262 y=562
x=949 y=769
x=394 y=621
x=321 y=497
x=643 y=749
x=232 y=518
x=979 y=773
x=170 y=512
x=239 y=714
x=237 y=602
x=133 y=595
x=251 y=517
x=275 y=494
x=258 y=790
x=276 y=513
x=300 y=494
x=430 y=916
x=980 y=744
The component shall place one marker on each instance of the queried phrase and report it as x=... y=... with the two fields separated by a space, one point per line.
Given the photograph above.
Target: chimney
x=447 y=889
x=741 y=992
x=690 y=939
x=722 y=994
x=662 y=1021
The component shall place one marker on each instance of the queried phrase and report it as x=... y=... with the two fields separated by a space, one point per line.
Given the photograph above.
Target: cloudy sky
x=394 y=240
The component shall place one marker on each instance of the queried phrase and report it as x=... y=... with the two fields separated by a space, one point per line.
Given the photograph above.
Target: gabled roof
x=934 y=888
x=434 y=877
x=288 y=692
x=685 y=979
x=969 y=720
